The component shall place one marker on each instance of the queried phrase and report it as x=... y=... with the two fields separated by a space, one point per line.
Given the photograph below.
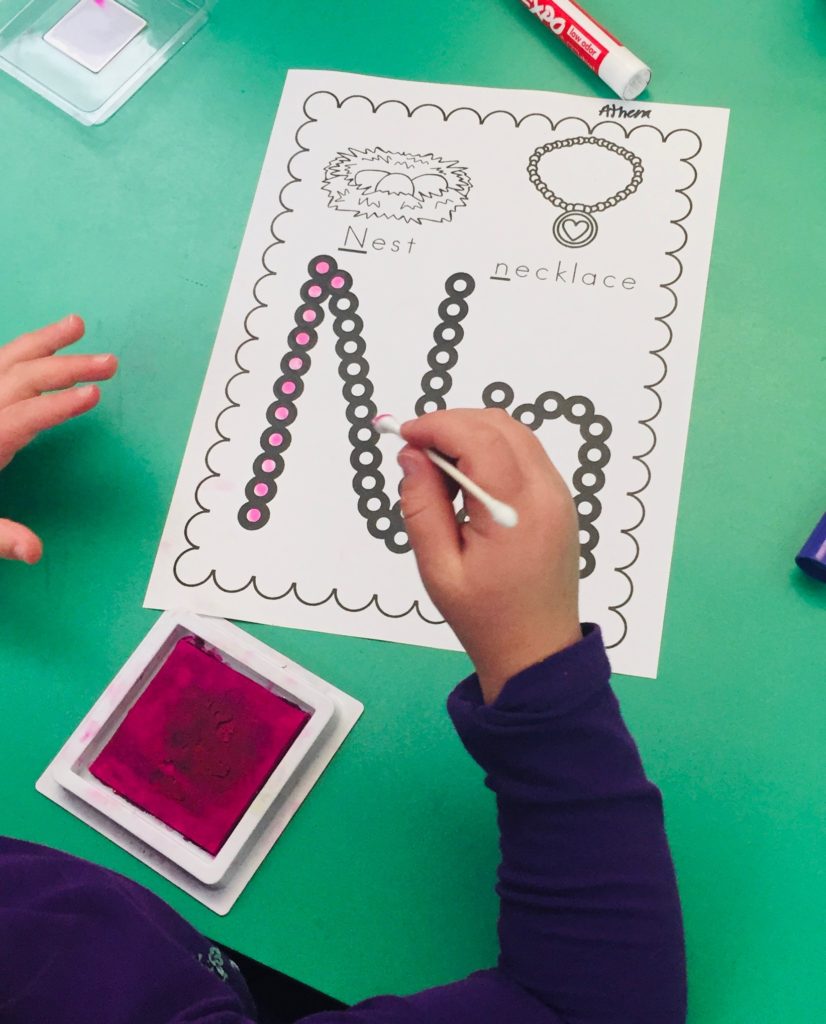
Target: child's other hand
x=509 y=594
x=36 y=392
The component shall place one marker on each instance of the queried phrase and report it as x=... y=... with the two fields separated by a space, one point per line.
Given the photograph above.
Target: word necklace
x=576 y=226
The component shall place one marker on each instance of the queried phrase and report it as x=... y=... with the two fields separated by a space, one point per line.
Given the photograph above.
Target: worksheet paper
x=414 y=247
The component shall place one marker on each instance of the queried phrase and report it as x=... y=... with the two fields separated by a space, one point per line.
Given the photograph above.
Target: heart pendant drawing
x=575 y=229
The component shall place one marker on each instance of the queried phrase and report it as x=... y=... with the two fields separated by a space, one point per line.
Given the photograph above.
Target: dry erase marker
x=593 y=44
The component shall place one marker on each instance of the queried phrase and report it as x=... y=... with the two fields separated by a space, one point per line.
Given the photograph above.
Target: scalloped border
x=657 y=353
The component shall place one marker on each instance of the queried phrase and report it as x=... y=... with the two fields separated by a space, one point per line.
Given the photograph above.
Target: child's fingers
x=21 y=422
x=43 y=342
x=451 y=430
x=48 y=373
x=428 y=517
x=480 y=440
x=18 y=542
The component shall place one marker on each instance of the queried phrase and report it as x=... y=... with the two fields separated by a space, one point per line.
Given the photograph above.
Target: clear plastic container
x=89 y=56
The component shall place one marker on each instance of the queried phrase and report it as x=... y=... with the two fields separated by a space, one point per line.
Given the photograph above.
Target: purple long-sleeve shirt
x=589 y=926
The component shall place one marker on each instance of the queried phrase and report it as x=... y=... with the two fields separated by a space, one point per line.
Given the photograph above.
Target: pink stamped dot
x=276 y=439
x=322 y=267
x=308 y=316
x=261 y=490
x=295 y=363
x=288 y=387
x=253 y=515
x=302 y=337
x=314 y=291
x=268 y=465
x=281 y=413
x=337 y=281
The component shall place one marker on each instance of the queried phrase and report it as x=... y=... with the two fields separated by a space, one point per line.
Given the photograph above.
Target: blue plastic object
x=812 y=557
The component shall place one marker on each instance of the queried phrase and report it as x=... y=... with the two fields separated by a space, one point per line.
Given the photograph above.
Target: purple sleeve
x=80 y=943
x=590 y=927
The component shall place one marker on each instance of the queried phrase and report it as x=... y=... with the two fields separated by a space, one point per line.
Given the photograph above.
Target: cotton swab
x=504 y=515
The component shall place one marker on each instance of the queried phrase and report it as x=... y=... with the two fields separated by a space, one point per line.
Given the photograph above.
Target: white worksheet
x=414 y=247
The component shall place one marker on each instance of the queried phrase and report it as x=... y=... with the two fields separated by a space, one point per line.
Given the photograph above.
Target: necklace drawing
x=576 y=225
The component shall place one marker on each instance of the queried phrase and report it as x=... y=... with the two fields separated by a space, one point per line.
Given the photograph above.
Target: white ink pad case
x=89 y=56
x=216 y=877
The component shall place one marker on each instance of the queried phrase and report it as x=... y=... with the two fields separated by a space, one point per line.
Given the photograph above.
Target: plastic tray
x=89 y=56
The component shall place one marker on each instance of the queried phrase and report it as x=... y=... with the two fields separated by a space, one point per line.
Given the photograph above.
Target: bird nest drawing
x=399 y=186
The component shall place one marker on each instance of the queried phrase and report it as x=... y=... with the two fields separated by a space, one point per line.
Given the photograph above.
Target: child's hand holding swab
x=501 y=513
x=510 y=595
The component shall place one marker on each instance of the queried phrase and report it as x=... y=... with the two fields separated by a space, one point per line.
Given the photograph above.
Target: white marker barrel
x=626 y=74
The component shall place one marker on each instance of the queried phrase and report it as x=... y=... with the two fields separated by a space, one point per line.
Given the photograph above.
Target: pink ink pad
x=199 y=752
x=198 y=745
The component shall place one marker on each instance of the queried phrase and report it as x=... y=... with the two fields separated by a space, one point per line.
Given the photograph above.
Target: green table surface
x=383 y=882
